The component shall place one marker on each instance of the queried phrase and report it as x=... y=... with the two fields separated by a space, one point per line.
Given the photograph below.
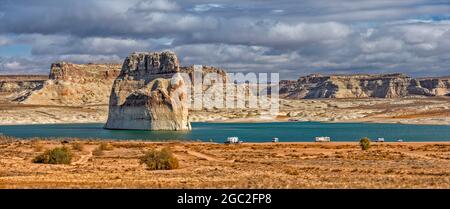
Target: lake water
x=248 y=132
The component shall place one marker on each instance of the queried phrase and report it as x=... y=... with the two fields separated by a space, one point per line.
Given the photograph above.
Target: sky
x=291 y=37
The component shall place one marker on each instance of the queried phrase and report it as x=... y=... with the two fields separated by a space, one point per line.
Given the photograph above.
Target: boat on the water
x=380 y=140
x=323 y=139
x=233 y=140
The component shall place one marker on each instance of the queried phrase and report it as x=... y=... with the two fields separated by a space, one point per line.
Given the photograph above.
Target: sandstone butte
x=70 y=85
x=148 y=94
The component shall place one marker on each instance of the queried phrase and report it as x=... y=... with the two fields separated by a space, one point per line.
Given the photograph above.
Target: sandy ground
x=211 y=165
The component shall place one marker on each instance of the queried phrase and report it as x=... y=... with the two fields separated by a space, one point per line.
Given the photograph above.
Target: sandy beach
x=212 y=165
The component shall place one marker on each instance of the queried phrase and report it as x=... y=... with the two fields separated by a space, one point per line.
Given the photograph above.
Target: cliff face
x=362 y=86
x=19 y=83
x=73 y=84
x=205 y=70
x=146 y=96
x=436 y=86
x=85 y=73
x=90 y=84
x=79 y=84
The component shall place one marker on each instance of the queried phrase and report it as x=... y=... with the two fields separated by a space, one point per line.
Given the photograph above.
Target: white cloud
x=384 y=44
x=277 y=36
x=302 y=32
x=20 y=66
x=93 y=45
x=420 y=33
x=4 y=41
x=14 y=65
x=205 y=7
x=84 y=58
x=156 y=5
x=278 y=11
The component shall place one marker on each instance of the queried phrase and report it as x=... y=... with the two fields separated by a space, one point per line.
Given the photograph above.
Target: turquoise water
x=248 y=132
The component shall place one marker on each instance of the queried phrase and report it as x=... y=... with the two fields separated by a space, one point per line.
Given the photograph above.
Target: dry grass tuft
x=58 y=155
x=105 y=146
x=364 y=143
x=160 y=160
x=78 y=146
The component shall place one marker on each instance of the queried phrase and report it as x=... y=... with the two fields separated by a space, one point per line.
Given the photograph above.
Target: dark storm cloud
x=289 y=36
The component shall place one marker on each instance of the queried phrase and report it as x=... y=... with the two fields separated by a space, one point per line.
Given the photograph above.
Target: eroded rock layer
x=363 y=86
x=18 y=83
x=74 y=84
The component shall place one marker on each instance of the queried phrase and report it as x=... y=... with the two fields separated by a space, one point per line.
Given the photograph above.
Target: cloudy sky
x=293 y=37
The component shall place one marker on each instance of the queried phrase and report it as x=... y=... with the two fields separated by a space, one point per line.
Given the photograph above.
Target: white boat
x=323 y=139
x=233 y=140
x=275 y=140
x=380 y=140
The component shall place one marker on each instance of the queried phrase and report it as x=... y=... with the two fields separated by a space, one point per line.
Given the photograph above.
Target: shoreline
x=248 y=121
x=420 y=111
x=195 y=142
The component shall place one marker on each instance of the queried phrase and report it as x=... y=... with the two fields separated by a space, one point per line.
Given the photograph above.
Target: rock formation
x=86 y=73
x=19 y=83
x=90 y=84
x=149 y=94
x=436 y=86
x=205 y=70
x=362 y=86
x=74 y=84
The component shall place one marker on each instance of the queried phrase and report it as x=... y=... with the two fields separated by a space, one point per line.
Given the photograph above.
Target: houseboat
x=233 y=140
x=323 y=139
x=380 y=140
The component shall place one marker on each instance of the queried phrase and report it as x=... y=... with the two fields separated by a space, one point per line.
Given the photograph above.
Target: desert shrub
x=129 y=145
x=78 y=146
x=97 y=151
x=160 y=160
x=101 y=148
x=364 y=143
x=5 y=139
x=106 y=146
x=58 y=155
x=292 y=172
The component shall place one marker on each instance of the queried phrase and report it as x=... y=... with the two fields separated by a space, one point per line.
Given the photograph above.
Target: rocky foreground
x=211 y=165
